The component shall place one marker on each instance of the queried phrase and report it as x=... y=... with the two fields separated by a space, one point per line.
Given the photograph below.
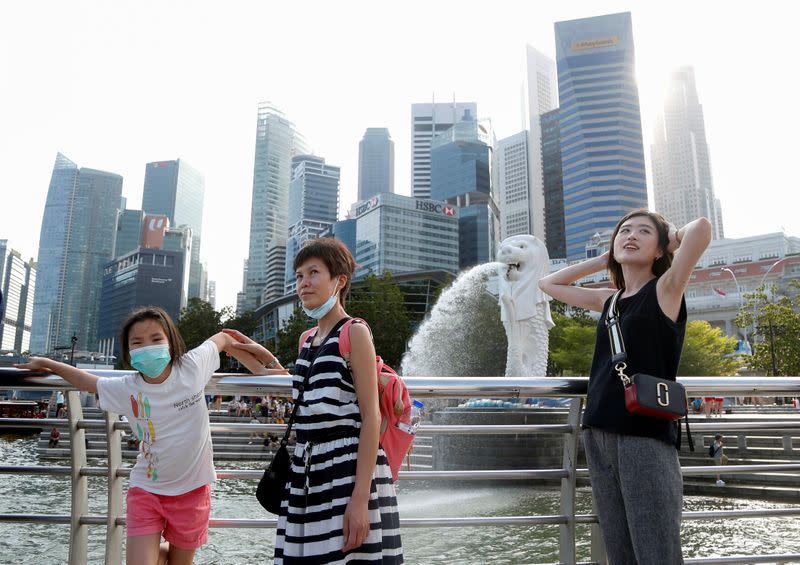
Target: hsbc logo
x=436 y=207
x=368 y=205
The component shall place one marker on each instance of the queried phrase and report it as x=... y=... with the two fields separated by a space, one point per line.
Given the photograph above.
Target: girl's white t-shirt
x=171 y=421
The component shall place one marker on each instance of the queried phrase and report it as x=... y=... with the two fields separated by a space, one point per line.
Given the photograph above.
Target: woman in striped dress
x=341 y=506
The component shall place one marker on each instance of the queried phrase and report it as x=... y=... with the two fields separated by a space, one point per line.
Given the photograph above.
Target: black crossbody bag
x=645 y=395
x=271 y=489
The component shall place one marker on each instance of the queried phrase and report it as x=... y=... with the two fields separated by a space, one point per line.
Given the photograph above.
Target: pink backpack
x=396 y=432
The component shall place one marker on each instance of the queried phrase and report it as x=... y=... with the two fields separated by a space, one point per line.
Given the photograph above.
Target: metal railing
x=79 y=518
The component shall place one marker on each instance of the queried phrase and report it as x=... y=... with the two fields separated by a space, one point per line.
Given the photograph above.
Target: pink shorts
x=183 y=519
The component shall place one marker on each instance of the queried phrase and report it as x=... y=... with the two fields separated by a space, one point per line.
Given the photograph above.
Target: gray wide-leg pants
x=638 y=491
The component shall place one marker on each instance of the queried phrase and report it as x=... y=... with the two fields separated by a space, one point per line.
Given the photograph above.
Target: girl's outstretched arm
x=255 y=357
x=78 y=378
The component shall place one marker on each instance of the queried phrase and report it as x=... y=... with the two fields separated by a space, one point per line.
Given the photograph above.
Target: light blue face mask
x=151 y=360
x=319 y=312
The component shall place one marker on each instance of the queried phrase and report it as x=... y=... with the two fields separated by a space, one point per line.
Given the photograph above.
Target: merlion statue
x=524 y=308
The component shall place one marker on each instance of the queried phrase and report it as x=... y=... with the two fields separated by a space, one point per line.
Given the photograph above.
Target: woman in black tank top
x=633 y=465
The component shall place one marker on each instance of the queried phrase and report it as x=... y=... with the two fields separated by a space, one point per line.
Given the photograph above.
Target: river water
x=46 y=544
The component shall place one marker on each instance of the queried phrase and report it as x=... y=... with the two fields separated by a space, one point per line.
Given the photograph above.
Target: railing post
x=113 y=531
x=741 y=444
x=787 y=443
x=78 y=534
x=566 y=532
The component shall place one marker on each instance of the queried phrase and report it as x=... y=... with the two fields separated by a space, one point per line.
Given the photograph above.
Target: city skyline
x=204 y=110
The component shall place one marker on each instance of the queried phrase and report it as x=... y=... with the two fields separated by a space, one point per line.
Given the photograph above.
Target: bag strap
x=304 y=384
x=344 y=338
x=618 y=354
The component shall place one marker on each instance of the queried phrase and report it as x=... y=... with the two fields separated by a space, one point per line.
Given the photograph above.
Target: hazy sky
x=114 y=85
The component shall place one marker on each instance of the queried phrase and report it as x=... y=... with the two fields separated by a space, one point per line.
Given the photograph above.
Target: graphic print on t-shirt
x=146 y=432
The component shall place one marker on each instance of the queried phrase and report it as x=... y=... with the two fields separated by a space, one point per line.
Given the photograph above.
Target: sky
x=114 y=85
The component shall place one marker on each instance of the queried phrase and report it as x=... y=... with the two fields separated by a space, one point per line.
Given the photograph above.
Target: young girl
x=170 y=485
x=341 y=505
x=633 y=464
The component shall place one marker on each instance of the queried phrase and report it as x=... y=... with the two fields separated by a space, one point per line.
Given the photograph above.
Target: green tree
x=381 y=303
x=288 y=336
x=571 y=342
x=776 y=321
x=245 y=323
x=707 y=352
x=574 y=357
x=198 y=321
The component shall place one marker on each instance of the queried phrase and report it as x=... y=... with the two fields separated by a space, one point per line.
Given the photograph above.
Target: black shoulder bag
x=271 y=488
x=645 y=395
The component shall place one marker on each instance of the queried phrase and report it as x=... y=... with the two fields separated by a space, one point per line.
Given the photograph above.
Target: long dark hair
x=660 y=265
x=177 y=348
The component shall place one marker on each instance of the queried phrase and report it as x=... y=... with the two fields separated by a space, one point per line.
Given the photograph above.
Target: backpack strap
x=304 y=338
x=344 y=337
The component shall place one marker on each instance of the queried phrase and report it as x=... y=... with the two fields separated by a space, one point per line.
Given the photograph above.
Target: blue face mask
x=319 y=312
x=151 y=360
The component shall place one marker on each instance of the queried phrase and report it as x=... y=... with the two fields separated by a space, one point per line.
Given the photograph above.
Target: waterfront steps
x=228 y=446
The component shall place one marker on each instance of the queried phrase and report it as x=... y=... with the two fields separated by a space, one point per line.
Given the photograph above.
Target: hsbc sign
x=430 y=206
x=436 y=207
x=368 y=205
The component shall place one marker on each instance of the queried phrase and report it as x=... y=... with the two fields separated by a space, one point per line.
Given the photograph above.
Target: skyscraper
x=681 y=167
x=513 y=190
x=541 y=96
x=313 y=205
x=76 y=239
x=401 y=234
x=428 y=120
x=154 y=273
x=601 y=132
x=553 y=184
x=176 y=190
x=461 y=174
x=375 y=163
x=277 y=142
x=17 y=284
x=129 y=231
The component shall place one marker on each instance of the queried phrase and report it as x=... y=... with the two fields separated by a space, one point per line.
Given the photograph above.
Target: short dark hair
x=336 y=256
x=177 y=347
x=660 y=265
x=718 y=436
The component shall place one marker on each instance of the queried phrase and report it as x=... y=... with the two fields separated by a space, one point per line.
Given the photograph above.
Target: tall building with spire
x=375 y=163
x=277 y=142
x=76 y=239
x=600 y=126
x=682 y=182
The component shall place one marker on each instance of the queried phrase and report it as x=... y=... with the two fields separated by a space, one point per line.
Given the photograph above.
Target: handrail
x=435 y=387
x=440 y=387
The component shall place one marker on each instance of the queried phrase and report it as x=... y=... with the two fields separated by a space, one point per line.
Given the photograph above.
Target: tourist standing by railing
x=169 y=492
x=340 y=505
x=633 y=464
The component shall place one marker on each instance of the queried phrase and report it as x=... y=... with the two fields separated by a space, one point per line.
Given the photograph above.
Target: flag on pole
x=720 y=291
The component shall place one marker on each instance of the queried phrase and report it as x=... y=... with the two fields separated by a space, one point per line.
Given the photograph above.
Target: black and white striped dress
x=323 y=471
